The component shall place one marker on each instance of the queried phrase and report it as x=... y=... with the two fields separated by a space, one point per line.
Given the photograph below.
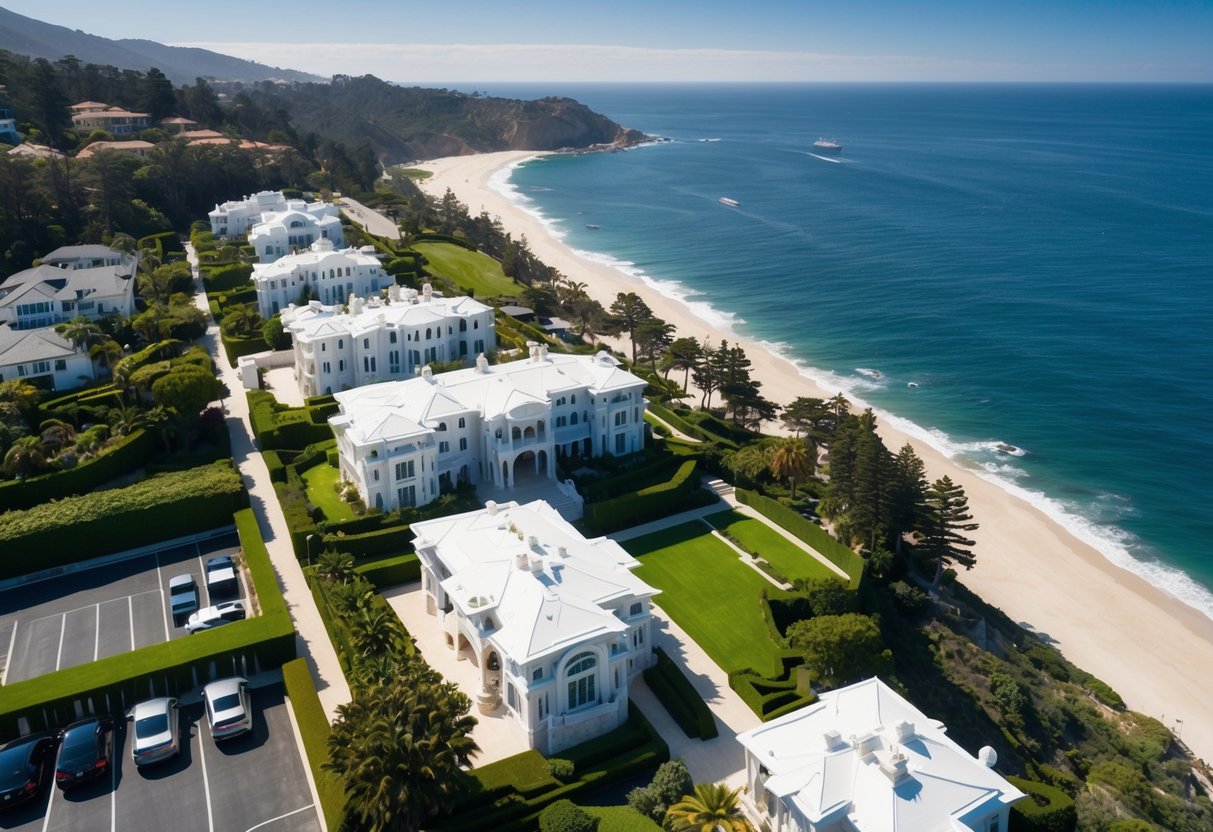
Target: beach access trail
x=1154 y=650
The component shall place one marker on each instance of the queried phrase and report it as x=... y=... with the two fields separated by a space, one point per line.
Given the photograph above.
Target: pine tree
x=908 y=495
x=868 y=515
x=947 y=516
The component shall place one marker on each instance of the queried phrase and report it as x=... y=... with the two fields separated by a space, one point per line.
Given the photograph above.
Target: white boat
x=827 y=145
x=732 y=203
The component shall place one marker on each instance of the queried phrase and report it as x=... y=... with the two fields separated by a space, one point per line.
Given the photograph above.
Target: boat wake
x=825 y=159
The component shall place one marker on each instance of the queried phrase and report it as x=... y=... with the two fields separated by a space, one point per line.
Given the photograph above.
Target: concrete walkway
x=312 y=640
x=675 y=432
x=371 y=221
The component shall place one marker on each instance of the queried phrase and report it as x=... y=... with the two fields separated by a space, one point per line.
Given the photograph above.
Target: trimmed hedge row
x=657 y=473
x=114 y=684
x=279 y=427
x=680 y=493
x=507 y=796
x=234 y=348
x=159 y=508
x=391 y=571
x=679 y=697
x=391 y=541
x=221 y=278
x=671 y=418
x=314 y=728
x=812 y=534
x=124 y=455
x=1054 y=813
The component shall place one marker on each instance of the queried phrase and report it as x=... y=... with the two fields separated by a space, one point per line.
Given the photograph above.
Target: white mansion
x=275 y=225
x=557 y=624
x=377 y=341
x=329 y=274
x=401 y=442
x=89 y=281
x=862 y=757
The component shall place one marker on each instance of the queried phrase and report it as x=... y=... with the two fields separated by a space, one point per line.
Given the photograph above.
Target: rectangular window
x=341 y=366
x=405 y=470
x=407 y=496
x=391 y=337
x=621 y=418
x=463 y=443
x=60 y=364
x=323 y=347
x=620 y=444
x=444 y=447
x=636 y=609
x=537 y=674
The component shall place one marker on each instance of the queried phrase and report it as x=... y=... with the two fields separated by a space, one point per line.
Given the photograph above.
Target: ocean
x=1028 y=265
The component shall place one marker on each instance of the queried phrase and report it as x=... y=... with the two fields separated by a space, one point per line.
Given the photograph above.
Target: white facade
x=329 y=274
x=236 y=217
x=279 y=233
x=377 y=341
x=863 y=758
x=40 y=355
x=557 y=624
x=402 y=442
x=74 y=281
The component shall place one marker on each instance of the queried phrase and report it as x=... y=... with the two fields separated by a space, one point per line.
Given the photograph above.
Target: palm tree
x=335 y=567
x=106 y=353
x=25 y=458
x=712 y=808
x=791 y=462
x=399 y=746
x=56 y=434
x=82 y=332
x=375 y=631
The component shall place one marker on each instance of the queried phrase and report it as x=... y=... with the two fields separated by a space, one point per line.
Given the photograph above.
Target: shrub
x=314 y=729
x=679 y=697
x=391 y=571
x=908 y=597
x=671 y=781
x=565 y=816
x=123 y=456
x=1045 y=809
x=1104 y=693
x=225 y=277
x=679 y=493
x=838 y=554
x=562 y=770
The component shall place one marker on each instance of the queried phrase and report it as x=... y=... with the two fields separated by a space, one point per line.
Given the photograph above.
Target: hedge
x=237 y=347
x=225 y=277
x=679 y=697
x=673 y=419
x=391 y=571
x=1055 y=812
x=391 y=541
x=277 y=426
x=812 y=534
x=314 y=729
x=124 y=455
x=680 y=493
x=114 y=684
x=159 y=508
x=771 y=698
x=508 y=795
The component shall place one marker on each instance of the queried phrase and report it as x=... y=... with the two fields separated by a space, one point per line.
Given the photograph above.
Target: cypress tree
x=948 y=516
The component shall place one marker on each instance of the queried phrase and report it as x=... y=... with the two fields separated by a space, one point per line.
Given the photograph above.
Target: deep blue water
x=1036 y=259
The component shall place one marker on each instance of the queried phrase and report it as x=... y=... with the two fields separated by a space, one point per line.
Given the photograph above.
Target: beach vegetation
x=670 y=782
x=630 y=311
x=947 y=518
x=710 y=806
x=840 y=648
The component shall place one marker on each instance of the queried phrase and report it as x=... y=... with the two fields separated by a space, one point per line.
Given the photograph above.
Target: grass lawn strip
x=756 y=536
x=710 y=593
x=468 y=269
x=621 y=819
x=322 y=491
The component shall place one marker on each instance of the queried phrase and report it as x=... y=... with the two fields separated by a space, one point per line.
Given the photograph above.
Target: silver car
x=157 y=731
x=208 y=618
x=228 y=711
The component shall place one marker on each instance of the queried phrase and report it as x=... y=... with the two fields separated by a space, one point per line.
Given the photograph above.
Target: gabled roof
x=409 y=309
x=38 y=274
x=88 y=251
x=28 y=292
x=21 y=346
x=865 y=755
x=542 y=582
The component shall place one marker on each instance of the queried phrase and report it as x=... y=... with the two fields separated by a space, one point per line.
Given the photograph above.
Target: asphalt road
x=256 y=781
x=99 y=612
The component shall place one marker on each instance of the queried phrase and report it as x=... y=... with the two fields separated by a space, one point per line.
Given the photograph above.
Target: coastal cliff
x=406 y=123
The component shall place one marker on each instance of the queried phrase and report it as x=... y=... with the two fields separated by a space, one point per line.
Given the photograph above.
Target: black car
x=23 y=767
x=86 y=751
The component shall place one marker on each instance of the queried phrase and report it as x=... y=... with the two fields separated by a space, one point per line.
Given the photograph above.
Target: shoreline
x=1151 y=647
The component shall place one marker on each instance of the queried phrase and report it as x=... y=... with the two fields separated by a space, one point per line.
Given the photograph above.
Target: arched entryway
x=526 y=467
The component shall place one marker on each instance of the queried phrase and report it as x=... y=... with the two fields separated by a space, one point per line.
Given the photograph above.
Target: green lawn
x=710 y=593
x=417 y=174
x=468 y=269
x=621 y=819
x=774 y=548
x=321 y=482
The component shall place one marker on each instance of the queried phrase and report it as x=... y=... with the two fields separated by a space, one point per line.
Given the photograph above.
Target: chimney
x=427 y=292
x=833 y=740
x=543 y=352
x=490 y=508
x=393 y=292
x=895 y=768
x=427 y=374
x=532 y=543
x=482 y=364
x=903 y=730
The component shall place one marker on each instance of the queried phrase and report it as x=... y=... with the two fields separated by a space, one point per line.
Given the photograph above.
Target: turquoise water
x=1036 y=260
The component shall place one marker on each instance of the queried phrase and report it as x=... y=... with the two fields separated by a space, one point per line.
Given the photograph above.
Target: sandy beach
x=1154 y=650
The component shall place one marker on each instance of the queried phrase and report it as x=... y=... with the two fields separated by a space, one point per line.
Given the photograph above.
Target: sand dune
x=1153 y=649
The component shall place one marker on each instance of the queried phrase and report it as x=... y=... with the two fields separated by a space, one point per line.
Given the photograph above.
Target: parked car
x=228 y=710
x=183 y=594
x=221 y=578
x=208 y=618
x=157 y=731
x=86 y=751
x=23 y=766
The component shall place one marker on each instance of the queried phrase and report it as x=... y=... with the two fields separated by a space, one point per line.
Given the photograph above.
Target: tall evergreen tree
x=867 y=517
x=947 y=517
x=684 y=354
x=158 y=97
x=907 y=499
x=631 y=310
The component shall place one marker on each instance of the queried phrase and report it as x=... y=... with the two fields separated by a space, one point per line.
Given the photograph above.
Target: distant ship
x=592 y=226
x=732 y=203
x=828 y=145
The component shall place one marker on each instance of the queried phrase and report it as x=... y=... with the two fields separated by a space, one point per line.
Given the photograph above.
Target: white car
x=221 y=577
x=157 y=731
x=228 y=711
x=208 y=618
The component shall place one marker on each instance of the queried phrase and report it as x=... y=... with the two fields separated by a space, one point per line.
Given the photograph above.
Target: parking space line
x=130 y=615
x=97 y=634
x=202 y=568
x=50 y=801
x=206 y=783
x=280 y=817
x=62 y=630
x=163 y=602
x=8 y=658
x=115 y=752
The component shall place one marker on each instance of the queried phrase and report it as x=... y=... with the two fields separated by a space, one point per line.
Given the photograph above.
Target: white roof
x=321 y=254
x=495 y=390
x=314 y=320
x=544 y=584
x=66 y=284
x=832 y=761
x=21 y=346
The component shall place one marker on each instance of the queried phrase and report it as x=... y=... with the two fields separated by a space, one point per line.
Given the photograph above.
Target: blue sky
x=674 y=40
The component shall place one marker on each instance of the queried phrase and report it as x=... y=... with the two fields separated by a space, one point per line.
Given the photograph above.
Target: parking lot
x=101 y=611
x=253 y=782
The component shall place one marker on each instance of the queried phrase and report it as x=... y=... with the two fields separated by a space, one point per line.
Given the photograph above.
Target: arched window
x=582 y=677
x=573 y=420
x=463 y=423
x=442 y=426
x=429 y=333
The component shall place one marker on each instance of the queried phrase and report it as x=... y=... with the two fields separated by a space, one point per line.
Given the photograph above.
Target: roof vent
x=562 y=551
x=482 y=364
x=491 y=508
x=895 y=767
x=903 y=730
x=427 y=373
x=532 y=542
x=987 y=756
x=520 y=560
x=833 y=740
x=427 y=291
